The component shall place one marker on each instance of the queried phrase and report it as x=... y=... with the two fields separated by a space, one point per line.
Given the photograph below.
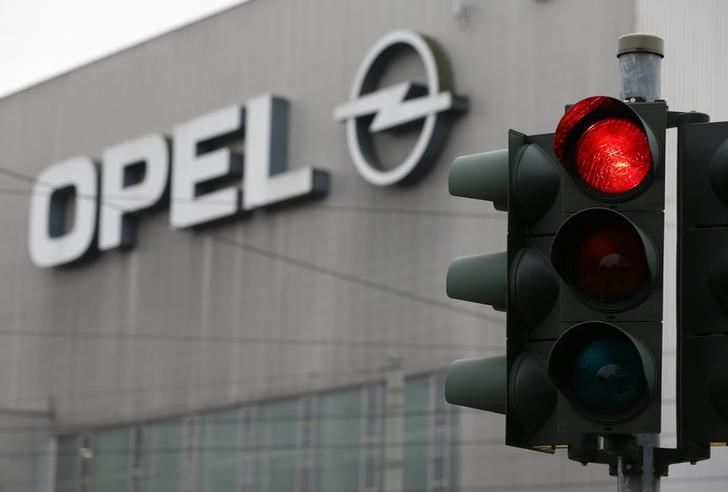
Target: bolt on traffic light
x=581 y=281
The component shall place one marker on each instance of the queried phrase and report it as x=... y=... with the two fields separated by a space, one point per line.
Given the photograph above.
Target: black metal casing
x=702 y=284
x=640 y=319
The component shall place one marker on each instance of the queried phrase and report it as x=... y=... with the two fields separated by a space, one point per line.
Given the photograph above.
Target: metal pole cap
x=640 y=43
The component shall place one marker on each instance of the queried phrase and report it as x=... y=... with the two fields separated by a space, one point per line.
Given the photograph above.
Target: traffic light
x=525 y=180
x=606 y=360
x=581 y=281
x=702 y=279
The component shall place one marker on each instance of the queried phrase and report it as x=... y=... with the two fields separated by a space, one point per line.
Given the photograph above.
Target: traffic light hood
x=478 y=383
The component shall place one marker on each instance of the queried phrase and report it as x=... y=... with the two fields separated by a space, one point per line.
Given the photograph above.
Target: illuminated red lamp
x=604 y=143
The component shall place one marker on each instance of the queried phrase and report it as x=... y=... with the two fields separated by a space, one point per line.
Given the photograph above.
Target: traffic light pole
x=640 y=57
x=648 y=480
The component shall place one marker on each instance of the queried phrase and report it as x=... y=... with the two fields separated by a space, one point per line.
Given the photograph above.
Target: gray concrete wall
x=186 y=320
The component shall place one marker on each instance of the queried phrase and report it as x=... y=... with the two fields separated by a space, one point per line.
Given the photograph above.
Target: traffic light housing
x=581 y=280
x=608 y=250
x=702 y=284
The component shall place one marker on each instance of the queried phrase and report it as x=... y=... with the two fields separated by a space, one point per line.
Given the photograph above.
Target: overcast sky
x=42 y=38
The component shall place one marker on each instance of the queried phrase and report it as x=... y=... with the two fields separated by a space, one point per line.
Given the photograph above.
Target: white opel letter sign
x=266 y=179
x=70 y=185
x=194 y=168
x=134 y=177
x=397 y=105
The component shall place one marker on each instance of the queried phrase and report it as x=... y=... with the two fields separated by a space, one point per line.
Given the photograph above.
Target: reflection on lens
x=607 y=377
x=610 y=265
x=613 y=156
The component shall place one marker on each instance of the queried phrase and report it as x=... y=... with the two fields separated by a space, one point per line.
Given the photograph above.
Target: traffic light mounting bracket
x=664 y=457
x=627 y=448
x=678 y=118
x=588 y=451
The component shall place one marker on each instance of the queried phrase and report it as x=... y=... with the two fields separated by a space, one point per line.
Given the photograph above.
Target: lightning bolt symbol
x=392 y=108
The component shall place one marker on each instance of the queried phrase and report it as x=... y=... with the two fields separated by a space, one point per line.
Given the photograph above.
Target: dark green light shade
x=533 y=185
x=483 y=383
x=605 y=373
x=481 y=278
x=478 y=383
x=481 y=176
x=529 y=290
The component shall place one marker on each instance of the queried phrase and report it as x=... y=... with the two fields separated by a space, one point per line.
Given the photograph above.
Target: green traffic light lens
x=607 y=375
x=608 y=378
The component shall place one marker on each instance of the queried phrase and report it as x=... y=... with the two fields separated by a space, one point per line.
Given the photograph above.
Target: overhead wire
x=202 y=419
x=166 y=337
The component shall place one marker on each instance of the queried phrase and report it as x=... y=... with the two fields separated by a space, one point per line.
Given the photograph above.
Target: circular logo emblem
x=372 y=109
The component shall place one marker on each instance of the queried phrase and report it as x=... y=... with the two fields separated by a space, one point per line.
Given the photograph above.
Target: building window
x=67 y=461
x=440 y=433
x=109 y=471
x=162 y=456
x=327 y=442
x=307 y=443
x=416 y=433
x=278 y=431
x=430 y=430
x=248 y=449
x=85 y=455
x=372 y=444
x=339 y=440
x=218 y=453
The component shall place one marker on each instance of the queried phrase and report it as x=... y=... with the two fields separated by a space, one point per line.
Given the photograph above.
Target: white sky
x=42 y=38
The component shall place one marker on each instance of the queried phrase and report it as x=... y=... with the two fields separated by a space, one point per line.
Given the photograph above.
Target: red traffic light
x=613 y=156
x=604 y=144
x=604 y=258
x=610 y=265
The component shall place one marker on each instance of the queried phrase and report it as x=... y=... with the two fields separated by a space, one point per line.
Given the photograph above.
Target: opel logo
x=398 y=105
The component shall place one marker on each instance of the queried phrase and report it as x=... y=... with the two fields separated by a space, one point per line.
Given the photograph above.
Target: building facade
x=208 y=335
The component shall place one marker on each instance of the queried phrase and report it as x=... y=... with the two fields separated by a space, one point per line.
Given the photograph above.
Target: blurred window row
x=332 y=441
